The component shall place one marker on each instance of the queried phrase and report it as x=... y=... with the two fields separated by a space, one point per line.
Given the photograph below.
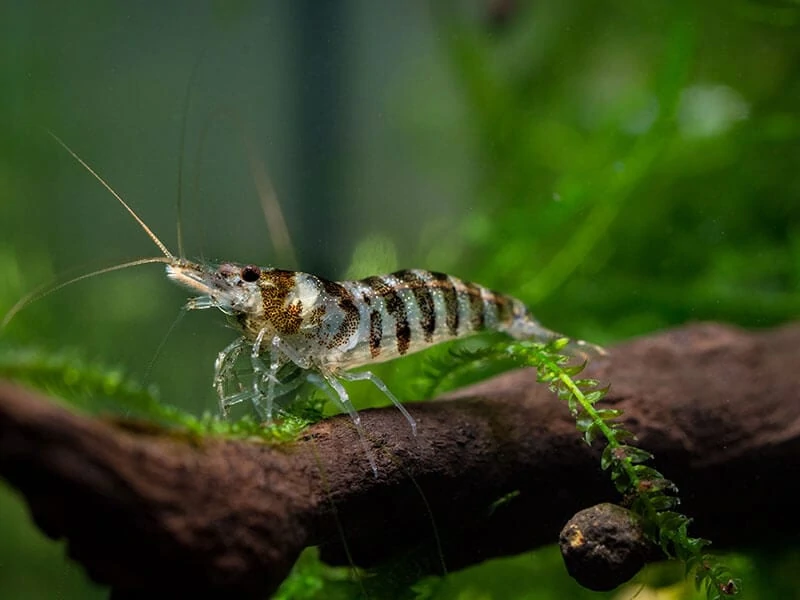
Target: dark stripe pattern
x=422 y=294
x=396 y=308
x=443 y=283
x=424 y=305
x=375 y=327
x=505 y=308
x=476 y=316
x=349 y=325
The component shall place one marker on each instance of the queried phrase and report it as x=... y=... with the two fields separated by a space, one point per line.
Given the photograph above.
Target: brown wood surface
x=143 y=510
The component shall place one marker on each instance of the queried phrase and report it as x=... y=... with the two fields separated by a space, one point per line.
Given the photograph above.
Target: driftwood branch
x=496 y=469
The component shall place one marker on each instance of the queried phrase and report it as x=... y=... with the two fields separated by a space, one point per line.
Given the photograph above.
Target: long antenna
x=48 y=289
x=147 y=230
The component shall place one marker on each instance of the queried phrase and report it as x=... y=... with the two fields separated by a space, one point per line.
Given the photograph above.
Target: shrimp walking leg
x=290 y=353
x=224 y=372
x=335 y=391
x=262 y=374
x=280 y=354
x=376 y=381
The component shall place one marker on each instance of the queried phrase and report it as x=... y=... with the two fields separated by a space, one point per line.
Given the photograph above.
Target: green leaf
x=607 y=458
x=645 y=472
x=608 y=413
x=584 y=423
x=573 y=406
x=636 y=455
x=573 y=370
x=621 y=480
x=663 y=502
x=595 y=396
x=592 y=433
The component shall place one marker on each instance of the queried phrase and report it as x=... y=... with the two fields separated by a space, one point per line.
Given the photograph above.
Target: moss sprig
x=646 y=491
x=99 y=389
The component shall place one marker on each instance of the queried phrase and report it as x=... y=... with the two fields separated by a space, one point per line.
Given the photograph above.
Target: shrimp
x=329 y=327
x=324 y=328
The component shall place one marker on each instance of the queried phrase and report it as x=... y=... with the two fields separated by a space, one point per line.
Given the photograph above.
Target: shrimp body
x=328 y=327
x=336 y=326
x=322 y=328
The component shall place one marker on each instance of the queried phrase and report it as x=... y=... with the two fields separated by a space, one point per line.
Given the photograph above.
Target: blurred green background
x=621 y=166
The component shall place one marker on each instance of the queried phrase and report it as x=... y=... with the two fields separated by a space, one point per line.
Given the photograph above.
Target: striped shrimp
x=327 y=328
x=330 y=327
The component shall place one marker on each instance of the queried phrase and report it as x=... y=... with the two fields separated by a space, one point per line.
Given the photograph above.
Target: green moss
x=98 y=389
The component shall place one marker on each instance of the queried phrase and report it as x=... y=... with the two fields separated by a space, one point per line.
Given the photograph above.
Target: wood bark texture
x=145 y=510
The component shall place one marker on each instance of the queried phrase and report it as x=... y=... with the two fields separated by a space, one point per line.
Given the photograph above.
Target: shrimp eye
x=251 y=273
